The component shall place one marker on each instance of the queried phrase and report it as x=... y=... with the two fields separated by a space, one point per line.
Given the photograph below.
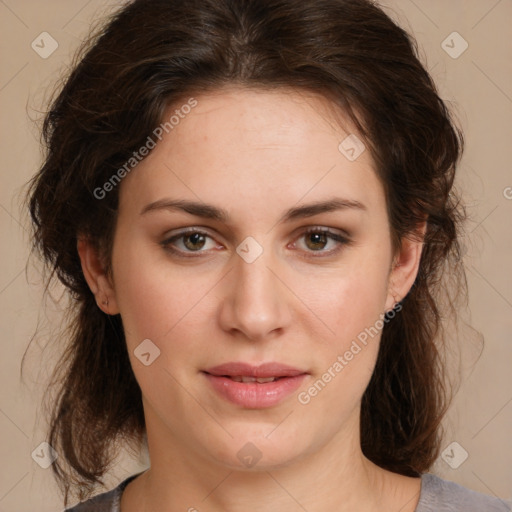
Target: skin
x=255 y=153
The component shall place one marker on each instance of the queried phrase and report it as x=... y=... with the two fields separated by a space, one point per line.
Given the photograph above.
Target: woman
x=251 y=204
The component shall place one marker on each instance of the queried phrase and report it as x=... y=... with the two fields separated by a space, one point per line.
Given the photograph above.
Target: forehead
x=258 y=147
x=252 y=119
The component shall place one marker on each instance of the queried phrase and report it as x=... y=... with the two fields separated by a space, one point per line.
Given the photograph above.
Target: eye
x=189 y=242
x=196 y=241
x=317 y=239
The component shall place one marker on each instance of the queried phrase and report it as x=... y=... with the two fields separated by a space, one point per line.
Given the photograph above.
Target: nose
x=255 y=305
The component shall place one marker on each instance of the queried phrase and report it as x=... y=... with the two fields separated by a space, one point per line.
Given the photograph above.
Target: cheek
x=345 y=360
x=155 y=307
x=163 y=303
x=352 y=306
x=158 y=299
x=351 y=303
x=167 y=309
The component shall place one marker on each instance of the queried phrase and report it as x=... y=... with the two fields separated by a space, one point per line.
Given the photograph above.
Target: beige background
x=478 y=81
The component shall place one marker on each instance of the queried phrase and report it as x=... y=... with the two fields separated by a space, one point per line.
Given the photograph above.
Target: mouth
x=255 y=387
x=237 y=370
x=244 y=378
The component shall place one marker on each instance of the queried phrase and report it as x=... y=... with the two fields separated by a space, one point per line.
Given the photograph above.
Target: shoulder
x=438 y=495
x=106 y=502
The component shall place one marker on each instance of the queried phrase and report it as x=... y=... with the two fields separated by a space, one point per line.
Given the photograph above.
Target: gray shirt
x=437 y=495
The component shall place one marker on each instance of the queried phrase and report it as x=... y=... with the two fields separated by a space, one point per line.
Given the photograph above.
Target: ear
x=405 y=266
x=96 y=276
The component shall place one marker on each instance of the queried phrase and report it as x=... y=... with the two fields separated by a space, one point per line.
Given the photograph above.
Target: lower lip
x=253 y=395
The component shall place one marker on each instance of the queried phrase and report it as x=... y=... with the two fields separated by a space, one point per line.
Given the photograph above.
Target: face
x=249 y=246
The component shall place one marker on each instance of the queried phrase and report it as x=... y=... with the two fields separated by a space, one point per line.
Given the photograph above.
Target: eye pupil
x=319 y=240
x=316 y=241
x=194 y=238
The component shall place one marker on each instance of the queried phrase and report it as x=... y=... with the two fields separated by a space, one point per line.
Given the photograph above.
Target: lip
x=248 y=370
x=254 y=395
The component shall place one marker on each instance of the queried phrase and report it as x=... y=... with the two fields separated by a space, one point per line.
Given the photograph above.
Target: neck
x=336 y=476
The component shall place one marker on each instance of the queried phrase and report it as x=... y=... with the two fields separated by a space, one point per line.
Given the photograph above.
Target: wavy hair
x=153 y=53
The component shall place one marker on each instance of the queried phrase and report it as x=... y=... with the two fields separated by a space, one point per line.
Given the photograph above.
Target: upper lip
x=240 y=369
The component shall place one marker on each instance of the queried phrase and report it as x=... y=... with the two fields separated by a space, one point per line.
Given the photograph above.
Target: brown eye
x=316 y=241
x=322 y=242
x=189 y=242
x=194 y=241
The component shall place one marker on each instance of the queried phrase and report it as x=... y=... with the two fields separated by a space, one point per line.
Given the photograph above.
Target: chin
x=251 y=450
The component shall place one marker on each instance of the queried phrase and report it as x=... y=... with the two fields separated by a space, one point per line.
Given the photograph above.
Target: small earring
x=105 y=302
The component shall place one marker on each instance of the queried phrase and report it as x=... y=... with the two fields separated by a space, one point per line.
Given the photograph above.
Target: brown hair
x=153 y=53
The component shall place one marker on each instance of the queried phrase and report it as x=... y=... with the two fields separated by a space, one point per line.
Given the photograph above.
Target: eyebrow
x=207 y=211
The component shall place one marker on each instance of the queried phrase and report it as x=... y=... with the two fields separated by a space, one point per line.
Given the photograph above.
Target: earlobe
x=95 y=275
x=405 y=266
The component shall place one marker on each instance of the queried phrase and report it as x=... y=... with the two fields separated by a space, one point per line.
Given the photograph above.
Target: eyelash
x=342 y=240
